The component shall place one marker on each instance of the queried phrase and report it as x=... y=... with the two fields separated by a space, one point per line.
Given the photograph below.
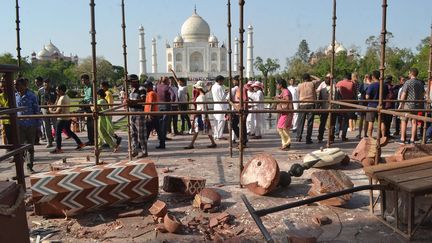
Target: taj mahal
x=196 y=53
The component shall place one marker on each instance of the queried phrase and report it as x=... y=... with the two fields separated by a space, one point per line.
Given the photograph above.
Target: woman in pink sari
x=284 y=120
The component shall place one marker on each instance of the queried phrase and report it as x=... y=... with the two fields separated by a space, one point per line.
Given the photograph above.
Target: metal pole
x=381 y=80
x=94 y=72
x=125 y=86
x=332 y=66
x=18 y=158
x=428 y=98
x=18 y=47
x=230 y=77
x=242 y=110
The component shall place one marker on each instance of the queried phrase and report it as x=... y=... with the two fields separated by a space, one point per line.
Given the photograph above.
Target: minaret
x=154 y=56
x=249 y=54
x=236 y=54
x=142 y=56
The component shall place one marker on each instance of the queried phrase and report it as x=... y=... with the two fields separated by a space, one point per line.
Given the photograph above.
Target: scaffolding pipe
x=241 y=103
x=230 y=78
x=381 y=80
x=332 y=73
x=428 y=98
x=125 y=86
x=18 y=47
x=94 y=73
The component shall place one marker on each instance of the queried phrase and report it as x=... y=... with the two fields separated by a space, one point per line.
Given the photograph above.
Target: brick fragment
x=171 y=223
x=183 y=184
x=158 y=209
x=207 y=200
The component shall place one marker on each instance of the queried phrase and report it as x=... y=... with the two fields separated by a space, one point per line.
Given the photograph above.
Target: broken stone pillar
x=183 y=184
x=261 y=174
x=410 y=151
x=366 y=150
x=327 y=181
x=75 y=190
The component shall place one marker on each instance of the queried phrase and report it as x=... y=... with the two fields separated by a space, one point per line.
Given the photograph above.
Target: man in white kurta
x=259 y=117
x=219 y=94
x=250 y=119
x=293 y=90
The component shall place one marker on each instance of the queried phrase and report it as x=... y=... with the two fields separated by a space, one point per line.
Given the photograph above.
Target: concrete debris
x=322 y=220
x=328 y=181
x=325 y=157
x=261 y=174
x=158 y=209
x=183 y=184
x=218 y=227
x=207 y=200
x=171 y=223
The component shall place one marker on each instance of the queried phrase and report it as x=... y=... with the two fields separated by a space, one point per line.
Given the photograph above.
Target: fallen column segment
x=72 y=191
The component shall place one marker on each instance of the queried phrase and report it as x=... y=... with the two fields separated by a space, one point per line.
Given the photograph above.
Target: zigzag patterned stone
x=75 y=190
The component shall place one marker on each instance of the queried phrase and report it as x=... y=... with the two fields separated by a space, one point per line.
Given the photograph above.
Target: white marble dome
x=43 y=53
x=195 y=29
x=212 y=39
x=178 y=39
x=338 y=48
x=52 y=49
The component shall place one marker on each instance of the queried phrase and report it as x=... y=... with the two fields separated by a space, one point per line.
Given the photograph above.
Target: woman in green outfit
x=105 y=126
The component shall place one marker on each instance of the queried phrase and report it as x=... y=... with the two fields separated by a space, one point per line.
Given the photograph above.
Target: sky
x=279 y=25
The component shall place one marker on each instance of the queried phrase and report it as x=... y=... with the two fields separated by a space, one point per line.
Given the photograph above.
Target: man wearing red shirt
x=348 y=91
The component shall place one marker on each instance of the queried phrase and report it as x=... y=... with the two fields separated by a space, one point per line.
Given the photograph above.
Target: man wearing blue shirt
x=372 y=93
x=27 y=127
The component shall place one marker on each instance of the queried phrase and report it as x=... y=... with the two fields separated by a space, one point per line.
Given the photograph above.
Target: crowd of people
x=172 y=94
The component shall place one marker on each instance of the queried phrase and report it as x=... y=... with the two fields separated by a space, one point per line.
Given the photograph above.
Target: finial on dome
x=195 y=9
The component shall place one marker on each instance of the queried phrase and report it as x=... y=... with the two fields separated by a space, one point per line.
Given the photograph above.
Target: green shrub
x=72 y=93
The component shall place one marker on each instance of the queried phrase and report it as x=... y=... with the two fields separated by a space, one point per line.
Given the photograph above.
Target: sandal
x=189 y=147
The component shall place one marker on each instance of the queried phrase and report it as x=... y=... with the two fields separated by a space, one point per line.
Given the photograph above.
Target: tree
x=398 y=61
x=421 y=60
x=303 y=51
x=7 y=58
x=296 y=68
x=104 y=69
x=270 y=66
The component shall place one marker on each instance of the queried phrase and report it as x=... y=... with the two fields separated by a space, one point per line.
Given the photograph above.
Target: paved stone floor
x=352 y=223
